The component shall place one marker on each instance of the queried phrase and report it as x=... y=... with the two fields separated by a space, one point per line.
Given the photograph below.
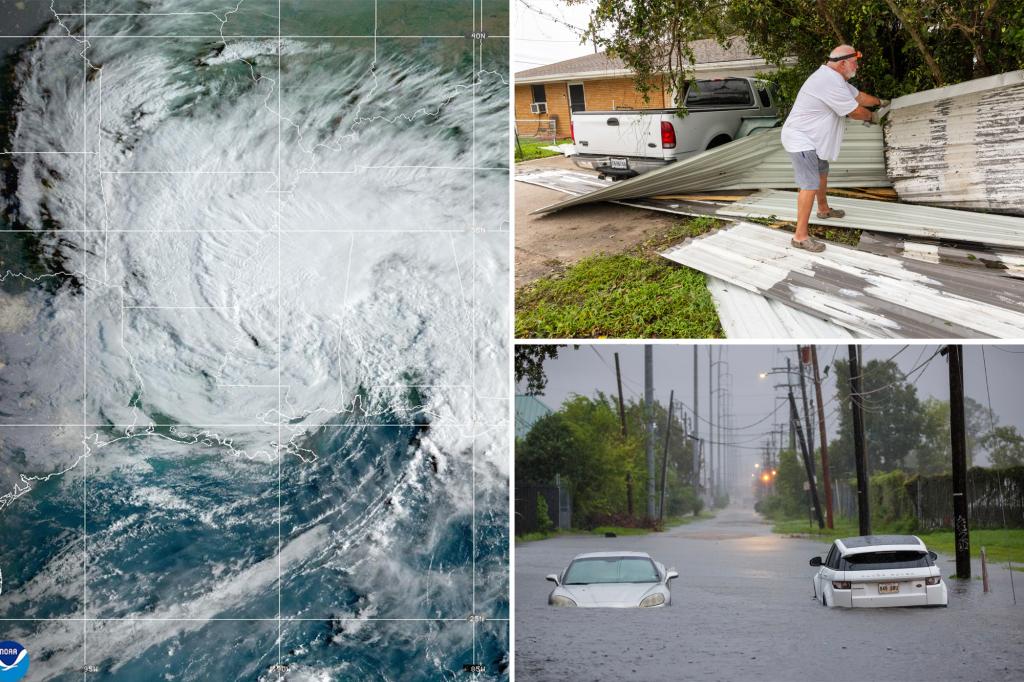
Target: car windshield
x=611 y=570
x=880 y=561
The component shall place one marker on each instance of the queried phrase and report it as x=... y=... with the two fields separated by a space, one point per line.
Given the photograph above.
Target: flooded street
x=742 y=609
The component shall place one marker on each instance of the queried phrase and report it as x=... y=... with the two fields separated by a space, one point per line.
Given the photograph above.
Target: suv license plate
x=620 y=164
x=888 y=588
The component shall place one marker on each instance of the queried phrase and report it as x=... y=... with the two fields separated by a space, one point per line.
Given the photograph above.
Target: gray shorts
x=807 y=167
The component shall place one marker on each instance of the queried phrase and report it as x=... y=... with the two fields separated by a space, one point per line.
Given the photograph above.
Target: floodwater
x=742 y=609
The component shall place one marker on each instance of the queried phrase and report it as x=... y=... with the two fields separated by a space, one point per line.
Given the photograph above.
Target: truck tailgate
x=619 y=134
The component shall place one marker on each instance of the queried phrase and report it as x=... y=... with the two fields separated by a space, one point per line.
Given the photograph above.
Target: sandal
x=810 y=244
x=833 y=213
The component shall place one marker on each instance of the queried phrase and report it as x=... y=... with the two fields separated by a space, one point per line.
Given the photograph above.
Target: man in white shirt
x=813 y=133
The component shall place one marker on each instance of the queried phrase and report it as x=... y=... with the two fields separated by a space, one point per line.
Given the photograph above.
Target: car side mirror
x=933 y=556
x=552 y=577
x=815 y=561
x=671 y=575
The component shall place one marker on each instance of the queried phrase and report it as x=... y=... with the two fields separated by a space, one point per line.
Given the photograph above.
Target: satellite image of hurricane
x=254 y=339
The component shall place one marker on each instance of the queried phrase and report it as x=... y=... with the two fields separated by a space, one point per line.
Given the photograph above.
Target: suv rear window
x=733 y=92
x=880 y=561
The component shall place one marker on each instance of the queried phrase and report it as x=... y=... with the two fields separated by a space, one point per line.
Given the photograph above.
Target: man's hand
x=877 y=116
x=884 y=103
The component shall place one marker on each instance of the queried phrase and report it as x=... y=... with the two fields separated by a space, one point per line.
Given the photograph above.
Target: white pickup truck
x=621 y=144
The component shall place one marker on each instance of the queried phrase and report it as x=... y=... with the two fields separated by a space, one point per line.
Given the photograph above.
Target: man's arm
x=866 y=100
x=860 y=113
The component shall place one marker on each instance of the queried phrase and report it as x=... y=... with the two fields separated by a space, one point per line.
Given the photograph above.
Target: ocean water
x=253 y=355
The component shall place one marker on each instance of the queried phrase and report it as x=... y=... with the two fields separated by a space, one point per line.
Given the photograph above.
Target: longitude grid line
x=277 y=225
x=473 y=339
x=85 y=346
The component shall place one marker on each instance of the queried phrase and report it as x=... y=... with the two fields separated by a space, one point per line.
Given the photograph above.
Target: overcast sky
x=591 y=368
x=547 y=31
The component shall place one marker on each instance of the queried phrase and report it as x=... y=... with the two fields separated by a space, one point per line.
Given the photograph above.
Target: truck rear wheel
x=719 y=141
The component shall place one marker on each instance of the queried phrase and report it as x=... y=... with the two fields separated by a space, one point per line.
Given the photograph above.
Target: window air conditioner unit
x=539 y=108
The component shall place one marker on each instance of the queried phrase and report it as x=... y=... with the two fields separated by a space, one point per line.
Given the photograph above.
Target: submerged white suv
x=879 y=570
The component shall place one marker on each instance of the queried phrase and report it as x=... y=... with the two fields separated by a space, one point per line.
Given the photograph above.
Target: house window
x=538 y=93
x=577 y=102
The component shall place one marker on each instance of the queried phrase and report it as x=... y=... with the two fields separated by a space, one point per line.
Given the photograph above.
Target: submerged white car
x=879 y=570
x=612 y=579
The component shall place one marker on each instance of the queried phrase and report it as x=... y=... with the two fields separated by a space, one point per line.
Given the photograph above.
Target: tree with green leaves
x=908 y=45
x=529 y=365
x=893 y=418
x=934 y=455
x=1005 y=447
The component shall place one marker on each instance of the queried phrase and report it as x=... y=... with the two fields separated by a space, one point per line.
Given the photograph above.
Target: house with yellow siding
x=546 y=95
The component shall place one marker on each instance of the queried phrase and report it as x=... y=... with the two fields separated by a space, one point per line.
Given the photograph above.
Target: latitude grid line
x=474 y=420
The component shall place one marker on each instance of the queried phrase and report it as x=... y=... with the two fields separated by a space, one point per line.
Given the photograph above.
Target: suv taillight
x=840 y=585
x=935 y=580
x=668 y=136
x=572 y=132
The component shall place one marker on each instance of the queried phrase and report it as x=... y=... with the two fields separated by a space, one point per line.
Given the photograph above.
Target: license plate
x=888 y=588
x=620 y=164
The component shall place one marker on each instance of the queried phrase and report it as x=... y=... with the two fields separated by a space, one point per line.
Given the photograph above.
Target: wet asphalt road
x=742 y=609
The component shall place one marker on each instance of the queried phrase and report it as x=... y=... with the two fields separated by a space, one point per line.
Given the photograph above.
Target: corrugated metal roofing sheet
x=891 y=217
x=755 y=162
x=576 y=183
x=961 y=145
x=746 y=315
x=1006 y=262
x=874 y=296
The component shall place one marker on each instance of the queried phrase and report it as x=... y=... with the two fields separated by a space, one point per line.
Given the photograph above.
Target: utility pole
x=794 y=416
x=803 y=392
x=957 y=433
x=622 y=418
x=696 y=425
x=826 y=474
x=711 y=430
x=649 y=417
x=664 y=458
x=789 y=382
x=622 y=409
x=686 y=427
x=863 y=508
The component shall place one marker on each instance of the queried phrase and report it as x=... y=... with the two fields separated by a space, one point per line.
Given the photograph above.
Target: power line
x=552 y=17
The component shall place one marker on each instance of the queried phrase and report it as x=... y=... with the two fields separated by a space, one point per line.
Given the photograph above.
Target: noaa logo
x=13 y=661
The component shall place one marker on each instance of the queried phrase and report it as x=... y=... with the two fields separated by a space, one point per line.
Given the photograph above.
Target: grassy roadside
x=527 y=150
x=634 y=295
x=670 y=522
x=1000 y=545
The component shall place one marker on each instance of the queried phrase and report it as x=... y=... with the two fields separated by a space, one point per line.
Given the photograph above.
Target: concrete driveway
x=546 y=244
x=742 y=609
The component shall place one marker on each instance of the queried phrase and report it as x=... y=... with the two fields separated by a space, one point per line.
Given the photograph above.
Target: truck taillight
x=668 y=136
x=840 y=584
x=572 y=132
x=934 y=580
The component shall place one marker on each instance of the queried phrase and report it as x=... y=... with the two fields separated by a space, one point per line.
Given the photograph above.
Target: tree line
x=583 y=443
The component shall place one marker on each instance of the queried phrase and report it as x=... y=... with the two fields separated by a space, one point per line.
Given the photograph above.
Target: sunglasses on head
x=852 y=55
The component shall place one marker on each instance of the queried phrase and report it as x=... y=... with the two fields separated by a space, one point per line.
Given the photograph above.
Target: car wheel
x=824 y=601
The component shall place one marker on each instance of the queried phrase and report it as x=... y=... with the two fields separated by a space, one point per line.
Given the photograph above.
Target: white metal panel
x=961 y=145
x=874 y=296
x=891 y=217
x=746 y=315
x=754 y=162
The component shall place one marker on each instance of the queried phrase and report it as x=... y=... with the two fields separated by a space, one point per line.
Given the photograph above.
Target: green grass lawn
x=1000 y=545
x=634 y=295
x=528 y=150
